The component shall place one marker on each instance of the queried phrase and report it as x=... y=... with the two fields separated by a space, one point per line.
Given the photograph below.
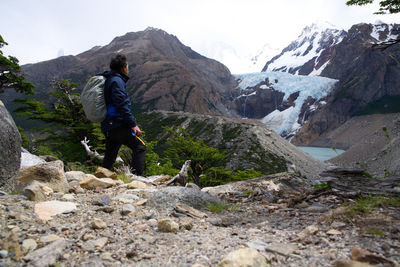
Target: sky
x=221 y=29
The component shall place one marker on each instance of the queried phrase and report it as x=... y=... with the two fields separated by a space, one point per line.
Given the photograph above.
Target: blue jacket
x=117 y=101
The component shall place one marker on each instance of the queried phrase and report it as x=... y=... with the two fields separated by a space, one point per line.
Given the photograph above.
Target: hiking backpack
x=92 y=98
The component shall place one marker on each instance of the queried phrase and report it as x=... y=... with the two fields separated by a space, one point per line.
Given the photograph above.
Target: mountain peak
x=305 y=56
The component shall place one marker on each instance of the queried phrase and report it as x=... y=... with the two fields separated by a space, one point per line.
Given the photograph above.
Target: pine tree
x=10 y=74
x=67 y=122
x=386 y=6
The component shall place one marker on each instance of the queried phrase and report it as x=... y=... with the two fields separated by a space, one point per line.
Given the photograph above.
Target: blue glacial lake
x=321 y=153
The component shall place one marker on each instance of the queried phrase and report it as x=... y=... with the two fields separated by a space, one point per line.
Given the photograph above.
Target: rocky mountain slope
x=249 y=144
x=366 y=144
x=367 y=75
x=165 y=74
x=282 y=101
x=310 y=53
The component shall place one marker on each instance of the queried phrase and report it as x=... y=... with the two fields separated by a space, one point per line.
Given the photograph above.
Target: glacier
x=286 y=121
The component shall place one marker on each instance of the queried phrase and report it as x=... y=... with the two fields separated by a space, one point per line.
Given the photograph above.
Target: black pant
x=123 y=136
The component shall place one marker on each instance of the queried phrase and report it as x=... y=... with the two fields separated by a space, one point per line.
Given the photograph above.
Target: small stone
x=137 y=185
x=243 y=257
x=317 y=208
x=334 y=232
x=68 y=197
x=186 y=223
x=91 y=182
x=3 y=254
x=140 y=203
x=103 y=200
x=336 y=224
x=98 y=224
x=94 y=244
x=48 y=238
x=126 y=209
x=75 y=176
x=28 y=245
x=168 y=225
x=88 y=236
x=309 y=230
x=106 y=256
x=105 y=173
x=46 y=210
x=106 y=209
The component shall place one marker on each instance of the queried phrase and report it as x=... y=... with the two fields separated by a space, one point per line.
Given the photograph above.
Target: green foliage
x=322 y=185
x=122 y=177
x=369 y=203
x=68 y=125
x=217 y=207
x=10 y=74
x=387 y=173
x=182 y=147
x=374 y=231
x=386 y=6
x=207 y=163
x=154 y=165
x=219 y=175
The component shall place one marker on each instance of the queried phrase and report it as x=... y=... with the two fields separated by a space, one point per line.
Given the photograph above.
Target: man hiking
x=119 y=126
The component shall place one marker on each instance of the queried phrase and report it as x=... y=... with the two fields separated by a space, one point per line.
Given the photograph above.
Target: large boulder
x=50 y=174
x=167 y=198
x=10 y=147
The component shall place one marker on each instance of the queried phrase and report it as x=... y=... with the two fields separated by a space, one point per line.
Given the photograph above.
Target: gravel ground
x=134 y=239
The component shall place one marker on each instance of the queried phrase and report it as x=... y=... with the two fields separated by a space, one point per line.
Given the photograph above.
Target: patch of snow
x=28 y=159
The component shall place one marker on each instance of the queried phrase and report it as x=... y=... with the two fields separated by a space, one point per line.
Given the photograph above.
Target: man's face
x=125 y=70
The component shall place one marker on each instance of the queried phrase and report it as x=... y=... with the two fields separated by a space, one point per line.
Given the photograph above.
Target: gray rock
x=10 y=147
x=103 y=200
x=33 y=191
x=317 y=208
x=75 y=176
x=94 y=244
x=3 y=254
x=29 y=245
x=47 y=255
x=126 y=209
x=98 y=224
x=167 y=198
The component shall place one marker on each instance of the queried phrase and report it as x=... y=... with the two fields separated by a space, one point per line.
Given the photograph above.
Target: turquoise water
x=321 y=153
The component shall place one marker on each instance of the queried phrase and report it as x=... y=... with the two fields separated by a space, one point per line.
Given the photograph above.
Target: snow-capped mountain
x=257 y=61
x=310 y=53
x=282 y=101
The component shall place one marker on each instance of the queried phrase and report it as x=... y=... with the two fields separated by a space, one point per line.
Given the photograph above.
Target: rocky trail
x=104 y=222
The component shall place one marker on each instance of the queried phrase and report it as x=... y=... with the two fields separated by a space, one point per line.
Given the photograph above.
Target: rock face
x=249 y=144
x=10 y=147
x=50 y=174
x=370 y=148
x=164 y=73
x=313 y=49
x=369 y=80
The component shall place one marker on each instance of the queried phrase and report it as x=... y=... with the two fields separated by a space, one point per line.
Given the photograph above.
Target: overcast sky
x=43 y=29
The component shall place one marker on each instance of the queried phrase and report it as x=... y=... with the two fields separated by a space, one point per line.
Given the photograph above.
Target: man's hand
x=137 y=131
